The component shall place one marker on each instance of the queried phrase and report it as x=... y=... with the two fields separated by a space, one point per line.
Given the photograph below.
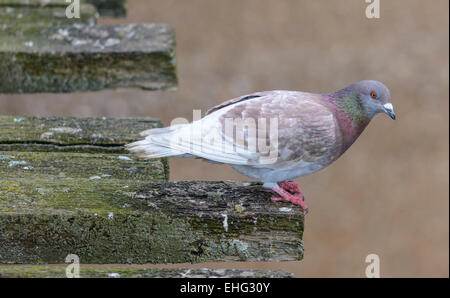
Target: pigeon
x=274 y=136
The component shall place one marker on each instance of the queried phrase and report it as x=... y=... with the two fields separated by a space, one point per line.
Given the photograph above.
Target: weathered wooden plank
x=79 y=58
x=111 y=8
x=24 y=271
x=55 y=15
x=58 y=167
x=108 y=209
x=65 y=134
x=35 y=3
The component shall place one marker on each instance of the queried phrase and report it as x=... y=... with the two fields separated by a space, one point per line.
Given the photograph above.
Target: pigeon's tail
x=147 y=149
x=187 y=141
x=157 y=143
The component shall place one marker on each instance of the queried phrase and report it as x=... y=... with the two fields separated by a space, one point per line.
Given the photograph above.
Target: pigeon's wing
x=237 y=99
x=290 y=127
x=205 y=138
x=267 y=129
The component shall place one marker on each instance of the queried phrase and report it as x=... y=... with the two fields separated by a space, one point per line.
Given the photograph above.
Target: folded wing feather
x=306 y=131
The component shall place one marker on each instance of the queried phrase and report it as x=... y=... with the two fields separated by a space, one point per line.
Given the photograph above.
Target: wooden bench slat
x=24 y=271
x=109 y=8
x=70 y=58
x=48 y=165
x=108 y=210
x=55 y=15
x=71 y=134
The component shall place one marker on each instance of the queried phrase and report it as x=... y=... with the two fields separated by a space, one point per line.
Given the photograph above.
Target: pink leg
x=286 y=196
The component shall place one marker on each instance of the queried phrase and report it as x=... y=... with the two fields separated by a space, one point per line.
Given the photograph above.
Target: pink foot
x=284 y=188
x=289 y=186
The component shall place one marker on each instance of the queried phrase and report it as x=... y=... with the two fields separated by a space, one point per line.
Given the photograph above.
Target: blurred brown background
x=389 y=193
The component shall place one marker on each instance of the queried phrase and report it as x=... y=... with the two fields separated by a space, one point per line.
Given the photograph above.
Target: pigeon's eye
x=373 y=94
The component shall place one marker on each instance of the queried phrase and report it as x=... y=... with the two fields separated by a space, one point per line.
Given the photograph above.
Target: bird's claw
x=284 y=190
x=289 y=186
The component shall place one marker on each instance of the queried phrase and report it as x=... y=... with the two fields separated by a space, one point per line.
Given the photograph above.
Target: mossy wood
x=24 y=271
x=51 y=15
x=69 y=58
x=71 y=134
x=110 y=8
x=108 y=210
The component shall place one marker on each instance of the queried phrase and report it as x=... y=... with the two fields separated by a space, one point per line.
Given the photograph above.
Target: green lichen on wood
x=33 y=165
x=262 y=231
x=80 y=58
x=71 y=134
x=121 y=238
x=52 y=203
x=26 y=271
x=76 y=181
x=35 y=3
x=47 y=15
x=47 y=216
x=110 y=8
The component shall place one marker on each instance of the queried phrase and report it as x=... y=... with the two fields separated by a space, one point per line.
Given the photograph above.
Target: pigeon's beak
x=389 y=110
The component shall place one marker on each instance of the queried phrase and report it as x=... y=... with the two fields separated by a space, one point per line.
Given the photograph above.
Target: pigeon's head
x=375 y=98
